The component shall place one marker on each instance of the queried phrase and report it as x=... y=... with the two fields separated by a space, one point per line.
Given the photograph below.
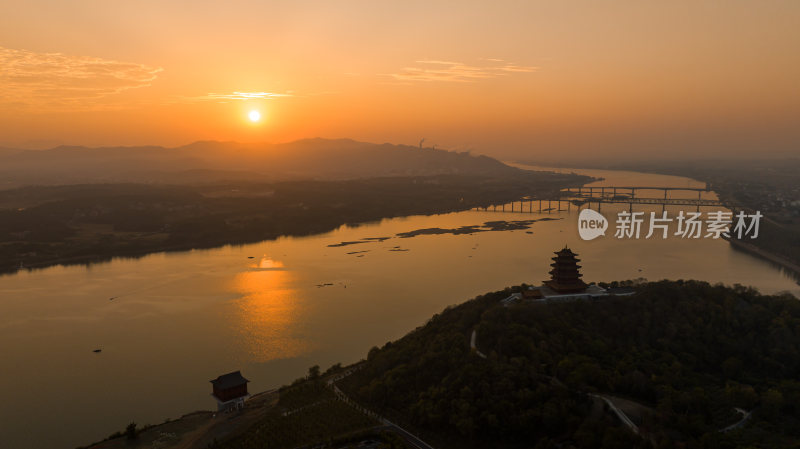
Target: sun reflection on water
x=268 y=313
x=267 y=263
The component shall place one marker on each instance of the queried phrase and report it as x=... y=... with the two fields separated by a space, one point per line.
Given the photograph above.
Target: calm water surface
x=178 y=320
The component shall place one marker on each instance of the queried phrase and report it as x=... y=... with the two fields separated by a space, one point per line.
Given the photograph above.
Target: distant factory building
x=230 y=391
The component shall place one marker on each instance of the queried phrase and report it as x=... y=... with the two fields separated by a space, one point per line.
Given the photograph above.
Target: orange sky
x=510 y=79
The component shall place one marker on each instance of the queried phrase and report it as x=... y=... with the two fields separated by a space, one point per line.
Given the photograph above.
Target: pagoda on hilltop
x=565 y=284
x=565 y=275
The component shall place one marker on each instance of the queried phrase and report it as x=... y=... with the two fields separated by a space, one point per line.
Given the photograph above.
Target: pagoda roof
x=565 y=252
x=556 y=264
x=229 y=380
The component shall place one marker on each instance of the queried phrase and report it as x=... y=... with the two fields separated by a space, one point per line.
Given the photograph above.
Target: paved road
x=472 y=344
x=745 y=416
x=620 y=414
x=409 y=438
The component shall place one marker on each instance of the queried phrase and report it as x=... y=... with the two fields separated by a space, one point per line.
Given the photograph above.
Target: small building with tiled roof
x=230 y=391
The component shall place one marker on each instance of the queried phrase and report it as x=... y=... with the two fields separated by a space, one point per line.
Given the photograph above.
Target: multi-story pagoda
x=565 y=275
x=565 y=284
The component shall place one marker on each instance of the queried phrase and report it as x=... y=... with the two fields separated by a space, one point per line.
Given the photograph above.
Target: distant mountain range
x=321 y=159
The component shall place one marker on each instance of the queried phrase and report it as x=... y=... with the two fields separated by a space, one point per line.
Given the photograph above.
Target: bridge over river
x=630 y=195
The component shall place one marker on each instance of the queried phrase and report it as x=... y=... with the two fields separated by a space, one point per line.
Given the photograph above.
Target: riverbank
x=67 y=225
x=310 y=412
x=433 y=383
x=258 y=308
x=765 y=185
x=196 y=430
x=778 y=260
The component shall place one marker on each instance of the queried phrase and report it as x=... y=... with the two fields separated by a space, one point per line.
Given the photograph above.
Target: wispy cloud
x=53 y=79
x=449 y=71
x=241 y=96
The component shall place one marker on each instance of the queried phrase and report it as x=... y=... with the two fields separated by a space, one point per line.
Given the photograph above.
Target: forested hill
x=321 y=159
x=679 y=356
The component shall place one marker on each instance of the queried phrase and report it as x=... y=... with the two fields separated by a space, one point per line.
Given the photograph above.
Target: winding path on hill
x=407 y=436
x=620 y=414
x=745 y=417
x=472 y=344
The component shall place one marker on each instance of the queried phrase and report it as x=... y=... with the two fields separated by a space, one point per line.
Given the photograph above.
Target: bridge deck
x=660 y=201
x=688 y=189
x=580 y=196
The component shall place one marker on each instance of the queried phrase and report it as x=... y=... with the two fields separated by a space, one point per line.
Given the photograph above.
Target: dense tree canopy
x=688 y=353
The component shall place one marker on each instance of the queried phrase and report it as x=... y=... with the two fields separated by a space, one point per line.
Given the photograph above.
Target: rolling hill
x=201 y=162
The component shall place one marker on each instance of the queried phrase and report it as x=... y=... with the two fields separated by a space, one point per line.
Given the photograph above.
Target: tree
x=130 y=431
x=313 y=372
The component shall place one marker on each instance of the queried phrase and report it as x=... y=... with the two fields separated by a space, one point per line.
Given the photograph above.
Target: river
x=274 y=308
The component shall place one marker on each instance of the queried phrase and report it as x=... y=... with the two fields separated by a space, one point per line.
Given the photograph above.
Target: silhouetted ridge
x=316 y=158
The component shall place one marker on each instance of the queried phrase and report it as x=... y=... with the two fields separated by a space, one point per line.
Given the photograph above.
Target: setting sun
x=231 y=219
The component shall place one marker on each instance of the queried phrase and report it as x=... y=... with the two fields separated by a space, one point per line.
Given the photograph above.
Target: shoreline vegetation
x=790 y=266
x=771 y=186
x=82 y=224
x=678 y=364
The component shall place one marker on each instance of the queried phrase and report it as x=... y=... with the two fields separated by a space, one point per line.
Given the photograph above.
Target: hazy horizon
x=510 y=80
x=541 y=159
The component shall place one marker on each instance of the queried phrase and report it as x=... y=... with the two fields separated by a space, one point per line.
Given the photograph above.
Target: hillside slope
x=685 y=354
x=320 y=159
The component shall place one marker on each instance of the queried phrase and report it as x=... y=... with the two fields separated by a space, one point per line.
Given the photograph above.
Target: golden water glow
x=267 y=263
x=267 y=315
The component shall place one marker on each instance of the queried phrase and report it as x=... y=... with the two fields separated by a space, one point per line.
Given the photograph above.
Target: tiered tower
x=565 y=275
